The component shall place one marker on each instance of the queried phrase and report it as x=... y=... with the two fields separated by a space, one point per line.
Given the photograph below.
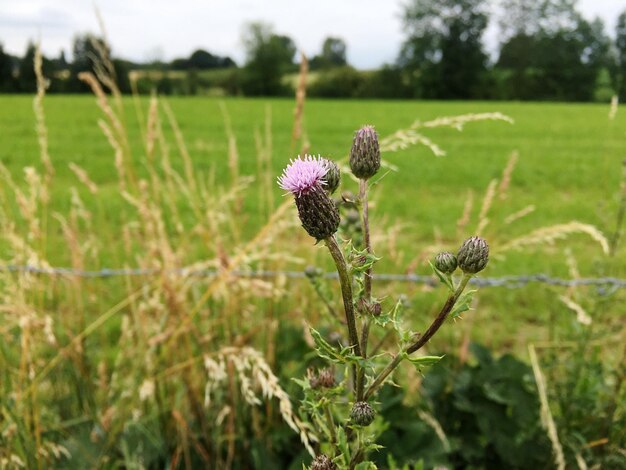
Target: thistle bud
x=365 y=153
x=325 y=378
x=353 y=217
x=304 y=178
x=323 y=462
x=446 y=262
x=332 y=178
x=312 y=272
x=362 y=413
x=473 y=255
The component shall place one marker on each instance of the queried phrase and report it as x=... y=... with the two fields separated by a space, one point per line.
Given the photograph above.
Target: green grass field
x=569 y=155
x=569 y=168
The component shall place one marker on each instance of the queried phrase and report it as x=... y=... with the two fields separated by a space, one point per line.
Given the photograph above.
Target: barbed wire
x=511 y=282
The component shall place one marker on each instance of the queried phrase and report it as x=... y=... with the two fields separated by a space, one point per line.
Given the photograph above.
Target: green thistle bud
x=473 y=255
x=323 y=462
x=446 y=262
x=332 y=178
x=362 y=413
x=365 y=153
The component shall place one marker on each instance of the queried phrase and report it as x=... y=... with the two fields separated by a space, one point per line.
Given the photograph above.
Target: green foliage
x=620 y=60
x=340 y=82
x=488 y=412
x=443 y=50
x=269 y=56
x=333 y=54
x=7 y=82
x=550 y=52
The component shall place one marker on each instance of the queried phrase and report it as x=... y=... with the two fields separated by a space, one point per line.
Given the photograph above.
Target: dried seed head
x=362 y=413
x=304 y=178
x=325 y=378
x=332 y=178
x=323 y=462
x=365 y=153
x=473 y=255
x=446 y=262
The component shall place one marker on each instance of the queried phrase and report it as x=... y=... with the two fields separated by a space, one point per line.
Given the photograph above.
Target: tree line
x=546 y=50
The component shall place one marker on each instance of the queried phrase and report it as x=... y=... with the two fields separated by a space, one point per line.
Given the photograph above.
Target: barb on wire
x=510 y=282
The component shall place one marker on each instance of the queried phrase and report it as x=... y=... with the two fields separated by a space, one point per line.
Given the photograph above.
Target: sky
x=145 y=30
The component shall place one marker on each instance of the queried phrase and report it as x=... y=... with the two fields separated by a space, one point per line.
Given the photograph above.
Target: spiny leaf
x=422 y=361
x=444 y=278
x=463 y=304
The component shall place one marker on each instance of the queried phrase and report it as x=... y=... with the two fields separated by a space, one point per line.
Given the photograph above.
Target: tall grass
x=172 y=369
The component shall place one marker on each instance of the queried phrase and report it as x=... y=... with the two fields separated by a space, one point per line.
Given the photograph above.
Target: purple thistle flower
x=304 y=178
x=302 y=175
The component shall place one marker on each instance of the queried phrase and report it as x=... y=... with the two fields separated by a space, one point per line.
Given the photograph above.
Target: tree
x=203 y=60
x=89 y=52
x=6 y=72
x=443 y=53
x=268 y=58
x=550 y=51
x=620 y=53
x=333 y=54
x=27 y=80
x=536 y=17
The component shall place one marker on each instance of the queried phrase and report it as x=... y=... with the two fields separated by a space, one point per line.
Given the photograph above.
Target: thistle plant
x=342 y=407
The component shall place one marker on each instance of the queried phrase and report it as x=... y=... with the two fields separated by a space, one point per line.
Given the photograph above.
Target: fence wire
x=511 y=282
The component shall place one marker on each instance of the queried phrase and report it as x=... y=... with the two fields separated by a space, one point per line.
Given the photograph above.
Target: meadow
x=111 y=369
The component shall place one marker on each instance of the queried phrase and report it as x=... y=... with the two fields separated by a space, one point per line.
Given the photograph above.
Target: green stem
x=346 y=292
x=422 y=340
x=367 y=284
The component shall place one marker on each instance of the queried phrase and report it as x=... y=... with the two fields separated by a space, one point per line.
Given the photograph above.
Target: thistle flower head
x=446 y=262
x=365 y=153
x=362 y=413
x=473 y=255
x=303 y=174
x=323 y=462
x=332 y=178
x=304 y=178
x=325 y=378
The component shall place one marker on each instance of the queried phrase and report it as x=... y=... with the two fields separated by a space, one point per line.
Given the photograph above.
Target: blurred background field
x=559 y=163
x=154 y=309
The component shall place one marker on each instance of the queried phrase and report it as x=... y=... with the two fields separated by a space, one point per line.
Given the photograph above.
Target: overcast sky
x=163 y=29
